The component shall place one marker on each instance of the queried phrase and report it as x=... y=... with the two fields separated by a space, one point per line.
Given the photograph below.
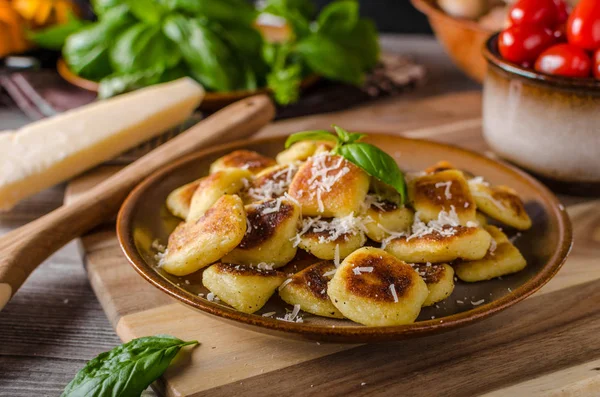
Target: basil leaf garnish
x=377 y=163
x=126 y=370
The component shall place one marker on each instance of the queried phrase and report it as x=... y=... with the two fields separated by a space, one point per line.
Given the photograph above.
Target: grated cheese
x=330 y=273
x=447 y=188
x=212 y=297
x=493 y=246
x=362 y=269
x=393 y=290
x=479 y=302
x=420 y=228
x=276 y=208
x=284 y=284
x=292 y=317
x=269 y=314
x=336 y=256
x=323 y=177
x=276 y=186
x=265 y=266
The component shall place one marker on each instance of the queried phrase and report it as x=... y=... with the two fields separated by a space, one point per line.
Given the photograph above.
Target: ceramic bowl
x=545 y=124
x=461 y=38
x=144 y=218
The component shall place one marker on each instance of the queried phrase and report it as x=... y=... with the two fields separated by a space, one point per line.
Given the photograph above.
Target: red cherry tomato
x=520 y=44
x=597 y=64
x=562 y=9
x=564 y=60
x=583 y=26
x=534 y=12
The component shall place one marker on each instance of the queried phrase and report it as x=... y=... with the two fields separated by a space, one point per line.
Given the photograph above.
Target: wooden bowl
x=463 y=39
x=211 y=101
x=144 y=218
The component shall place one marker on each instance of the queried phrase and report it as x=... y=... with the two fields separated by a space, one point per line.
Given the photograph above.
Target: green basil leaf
x=338 y=17
x=327 y=58
x=210 y=59
x=362 y=40
x=348 y=137
x=230 y=11
x=100 y=7
x=148 y=11
x=316 y=135
x=297 y=13
x=302 y=8
x=143 y=47
x=116 y=84
x=54 y=37
x=376 y=163
x=86 y=51
x=126 y=370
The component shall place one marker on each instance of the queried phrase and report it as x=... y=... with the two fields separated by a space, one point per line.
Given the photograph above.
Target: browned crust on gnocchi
x=245 y=270
x=250 y=160
x=375 y=285
x=263 y=226
x=312 y=279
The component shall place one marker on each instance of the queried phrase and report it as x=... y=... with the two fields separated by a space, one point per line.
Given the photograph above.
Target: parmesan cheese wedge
x=50 y=151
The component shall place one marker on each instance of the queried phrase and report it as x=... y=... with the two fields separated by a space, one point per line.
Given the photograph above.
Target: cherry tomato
x=597 y=64
x=562 y=9
x=564 y=60
x=583 y=26
x=520 y=44
x=534 y=12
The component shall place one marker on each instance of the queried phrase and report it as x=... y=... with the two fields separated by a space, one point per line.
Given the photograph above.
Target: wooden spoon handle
x=23 y=249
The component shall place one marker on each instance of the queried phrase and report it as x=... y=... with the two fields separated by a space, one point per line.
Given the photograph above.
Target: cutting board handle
x=23 y=249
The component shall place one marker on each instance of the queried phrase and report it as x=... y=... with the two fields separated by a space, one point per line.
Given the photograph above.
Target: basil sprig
x=126 y=370
x=371 y=159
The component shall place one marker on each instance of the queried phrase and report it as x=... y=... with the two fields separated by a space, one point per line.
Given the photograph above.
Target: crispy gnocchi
x=367 y=255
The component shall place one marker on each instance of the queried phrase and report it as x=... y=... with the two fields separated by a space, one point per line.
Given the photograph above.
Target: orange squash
x=12 y=35
x=40 y=13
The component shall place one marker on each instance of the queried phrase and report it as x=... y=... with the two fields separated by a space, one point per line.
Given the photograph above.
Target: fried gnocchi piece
x=439 y=278
x=481 y=219
x=453 y=242
x=308 y=289
x=212 y=187
x=432 y=193
x=323 y=247
x=500 y=203
x=502 y=258
x=245 y=288
x=179 y=200
x=439 y=167
x=373 y=288
x=300 y=151
x=244 y=159
x=197 y=244
x=271 y=182
x=329 y=186
x=383 y=218
x=271 y=226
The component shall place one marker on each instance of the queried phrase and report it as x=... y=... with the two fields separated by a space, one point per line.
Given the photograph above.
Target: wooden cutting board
x=547 y=345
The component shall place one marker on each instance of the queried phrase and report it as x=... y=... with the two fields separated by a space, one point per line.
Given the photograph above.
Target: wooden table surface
x=55 y=324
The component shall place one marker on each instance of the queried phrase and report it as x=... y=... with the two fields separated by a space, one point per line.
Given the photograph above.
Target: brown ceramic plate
x=211 y=101
x=143 y=218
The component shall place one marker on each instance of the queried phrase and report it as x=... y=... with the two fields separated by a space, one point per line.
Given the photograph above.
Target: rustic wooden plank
x=522 y=342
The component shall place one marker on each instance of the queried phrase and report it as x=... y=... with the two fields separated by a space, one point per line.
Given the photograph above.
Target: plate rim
x=343 y=333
